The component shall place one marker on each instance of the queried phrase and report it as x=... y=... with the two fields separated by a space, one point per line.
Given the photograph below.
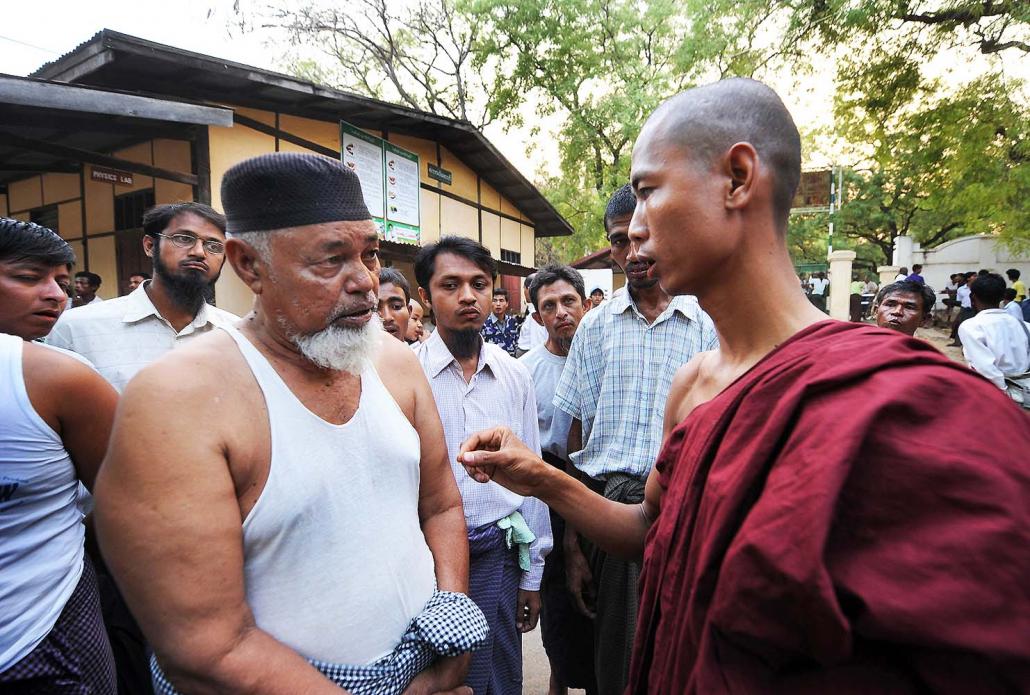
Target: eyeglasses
x=187 y=241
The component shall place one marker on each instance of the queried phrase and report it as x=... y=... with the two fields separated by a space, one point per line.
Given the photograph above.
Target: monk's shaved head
x=707 y=121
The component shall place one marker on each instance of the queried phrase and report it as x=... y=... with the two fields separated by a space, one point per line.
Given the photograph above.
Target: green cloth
x=517 y=531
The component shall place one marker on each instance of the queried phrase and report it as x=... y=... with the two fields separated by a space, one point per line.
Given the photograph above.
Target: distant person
x=915 y=275
x=995 y=343
x=855 y=300
x=904 y=306
x=596 y=297
x=965 y=305
x=902 y=274
x=820 y=288
x=531 y=332
x=1017 y=284
x=1009 y=303
x=500 y=328
x=394 y=296
x=56 y=413
x=137 y=279
x=950 y=292
x=416 y=331
x=557 y=292
x=870 y=286
x=86 y=286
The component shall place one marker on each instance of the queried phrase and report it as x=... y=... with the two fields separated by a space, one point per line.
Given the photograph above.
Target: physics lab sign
x=389 y=177
x=114 y=176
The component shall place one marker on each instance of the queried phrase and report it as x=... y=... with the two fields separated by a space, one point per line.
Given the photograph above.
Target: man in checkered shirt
x=614 y=385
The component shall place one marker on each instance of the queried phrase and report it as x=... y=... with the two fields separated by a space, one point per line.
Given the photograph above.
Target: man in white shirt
x=567 y=632
x=1010 y=304
x=995 y=344
x=121 y=336
x=532 y=333
x=86 y=286
x=965 y=305
x=819 y=284
x=477 y=384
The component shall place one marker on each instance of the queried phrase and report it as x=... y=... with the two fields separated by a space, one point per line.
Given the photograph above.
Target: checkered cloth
x=75 y=657
x=449 y=625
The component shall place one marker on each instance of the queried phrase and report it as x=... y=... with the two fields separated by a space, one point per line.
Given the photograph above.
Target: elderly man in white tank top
x=277 y=504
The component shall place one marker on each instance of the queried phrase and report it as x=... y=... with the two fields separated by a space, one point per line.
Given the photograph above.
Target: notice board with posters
x=389 y=177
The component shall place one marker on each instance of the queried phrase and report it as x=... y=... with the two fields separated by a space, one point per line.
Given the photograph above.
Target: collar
x=685 y=304
x=140 y=307
x=438 y=357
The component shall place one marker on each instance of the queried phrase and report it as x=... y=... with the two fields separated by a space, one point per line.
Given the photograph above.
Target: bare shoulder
x=48 y=367
x=687 y=390
x=400 y=371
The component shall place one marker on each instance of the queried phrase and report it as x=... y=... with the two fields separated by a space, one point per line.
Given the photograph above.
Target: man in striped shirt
x=614 y=385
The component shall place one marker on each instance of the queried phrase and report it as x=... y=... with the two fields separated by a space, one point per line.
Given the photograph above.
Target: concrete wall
x=970 y=253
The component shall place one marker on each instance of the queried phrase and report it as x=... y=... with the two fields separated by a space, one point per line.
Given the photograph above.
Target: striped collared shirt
x=617 y=377
x=500 y=393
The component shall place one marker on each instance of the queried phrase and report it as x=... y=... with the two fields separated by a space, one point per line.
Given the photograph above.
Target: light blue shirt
x=499 y=393
x=617 y=378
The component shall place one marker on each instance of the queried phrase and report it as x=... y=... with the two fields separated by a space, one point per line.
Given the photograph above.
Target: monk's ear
x=741 y=166
x=247 y=263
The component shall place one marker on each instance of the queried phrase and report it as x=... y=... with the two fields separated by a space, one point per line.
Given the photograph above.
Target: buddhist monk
x=825 y=516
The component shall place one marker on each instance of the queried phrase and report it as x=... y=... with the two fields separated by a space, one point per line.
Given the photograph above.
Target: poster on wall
x=402 y=195
x=364 y=154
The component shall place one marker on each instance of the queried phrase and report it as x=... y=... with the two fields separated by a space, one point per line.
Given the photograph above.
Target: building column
x=903 y=247
x=840 y=284
x=887 y=273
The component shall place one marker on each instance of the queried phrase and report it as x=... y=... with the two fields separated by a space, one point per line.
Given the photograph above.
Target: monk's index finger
x=488 y=440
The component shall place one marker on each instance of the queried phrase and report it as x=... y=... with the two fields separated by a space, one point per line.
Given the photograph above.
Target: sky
x=34 y=33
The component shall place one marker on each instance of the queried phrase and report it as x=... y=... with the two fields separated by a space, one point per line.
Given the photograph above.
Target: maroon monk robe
x=852 y=515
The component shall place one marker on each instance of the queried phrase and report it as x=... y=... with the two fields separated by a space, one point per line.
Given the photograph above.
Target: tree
x=942 y=165
x=421 y=56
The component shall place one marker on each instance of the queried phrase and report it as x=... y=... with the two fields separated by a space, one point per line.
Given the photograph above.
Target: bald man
x=824 y=515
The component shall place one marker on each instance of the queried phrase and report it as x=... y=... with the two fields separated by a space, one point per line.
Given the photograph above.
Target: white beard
x=342 y=349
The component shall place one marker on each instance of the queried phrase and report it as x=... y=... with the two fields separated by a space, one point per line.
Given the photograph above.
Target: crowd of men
x=691 y=492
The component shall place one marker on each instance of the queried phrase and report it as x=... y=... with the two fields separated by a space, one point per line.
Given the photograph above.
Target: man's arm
x=75 y=401
x=169 y=525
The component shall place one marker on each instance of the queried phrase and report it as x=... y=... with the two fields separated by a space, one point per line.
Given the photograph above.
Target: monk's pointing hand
x=497 y=454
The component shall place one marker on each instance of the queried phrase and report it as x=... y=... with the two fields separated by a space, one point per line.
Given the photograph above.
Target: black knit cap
x=290 y=189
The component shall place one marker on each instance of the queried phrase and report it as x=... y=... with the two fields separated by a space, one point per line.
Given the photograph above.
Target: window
x=511 y=256
x=45 y=217
x=129 y=209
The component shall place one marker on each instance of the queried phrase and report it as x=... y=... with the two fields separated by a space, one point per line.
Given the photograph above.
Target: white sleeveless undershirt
x=41 y=529
x=336 y=565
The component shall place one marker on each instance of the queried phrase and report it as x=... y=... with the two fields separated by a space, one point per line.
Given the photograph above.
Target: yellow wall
x=492 y=233
x=511 y=235
x=69 y=219
x=60 y=187
x=3 y=205
x=429 y=204
x=174 y=155
x=528 y=250
x=25 y=194
x=458 y=219
x=227 y=147
x=102 y=262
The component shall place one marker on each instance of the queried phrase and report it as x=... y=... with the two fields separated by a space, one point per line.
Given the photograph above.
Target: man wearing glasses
x=121 y=336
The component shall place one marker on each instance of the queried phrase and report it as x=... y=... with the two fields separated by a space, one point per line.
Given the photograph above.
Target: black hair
x=916 y=268
x=903 y=270
x=909 y=287
x=983 y=271
x=27 y=241
x=622 y=203
x=157 y=218
x=550 y=274
x=501 y=292
x=392 y=276
x=1013 y=274
x=145 y=276
x=989 y=289
x=93 y=278
x=969 y=274
x=598 y=290
x=425 y=259
x=707 y=121
x=1010 y=294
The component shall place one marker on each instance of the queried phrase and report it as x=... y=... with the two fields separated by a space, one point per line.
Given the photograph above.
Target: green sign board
x=440 y=174
x=389 y=177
